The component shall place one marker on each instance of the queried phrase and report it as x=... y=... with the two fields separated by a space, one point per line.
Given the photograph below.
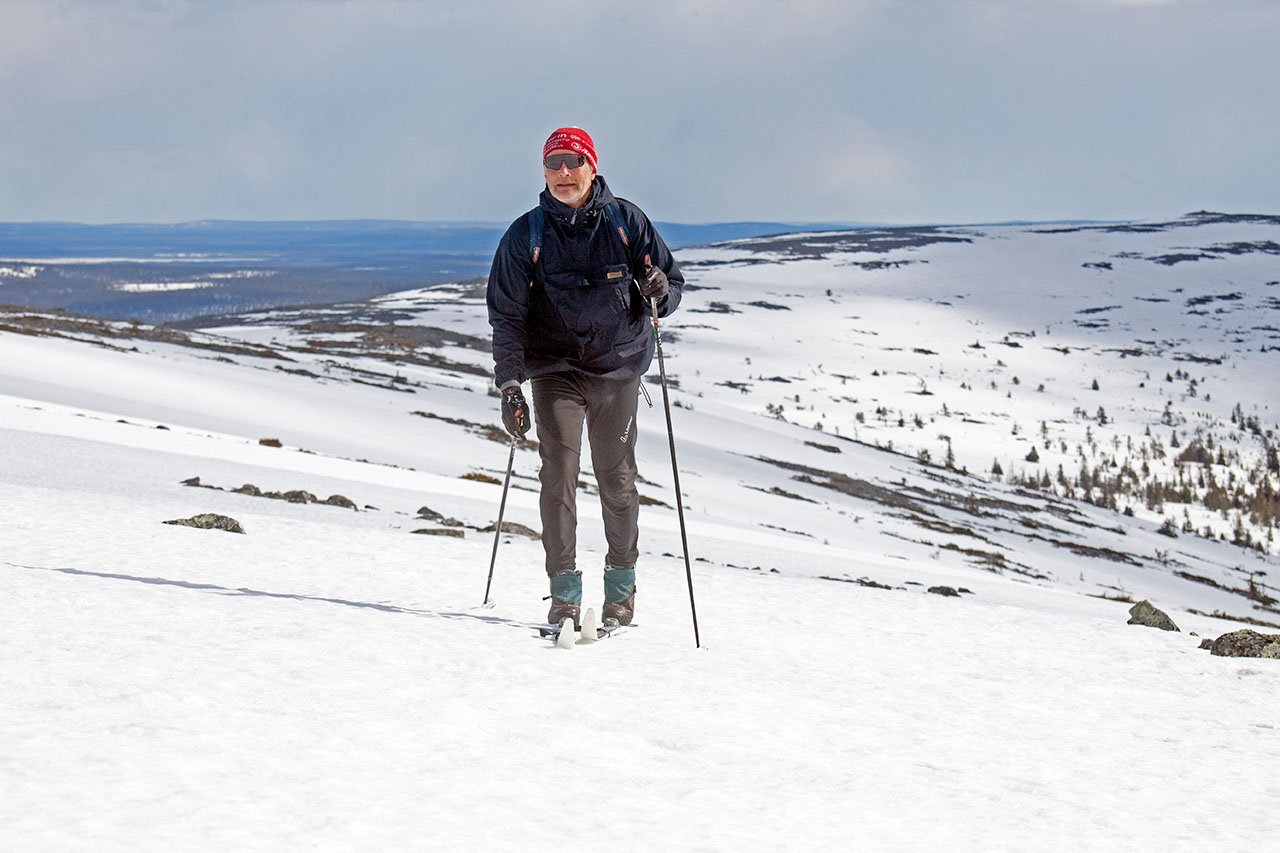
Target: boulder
x=944 y=590
x=342 y=501
x=210 y=521
x=512 y=527
x=270 y=442
x=1144 y=613
x=442 y=531
x=429 y=514
x=1244 y=644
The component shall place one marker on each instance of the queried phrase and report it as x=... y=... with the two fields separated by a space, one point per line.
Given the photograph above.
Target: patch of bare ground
x=867 y=582
x=939 y=526
x=1088 y=550
x=56 y=323
x=992 y=561
x=388 y=335
x=1032 y=524
x=1254 y=591
x=979 y=506
x=735 y=566
x=782 y=529
x=1248 y=620
x=782 y=493
x=846 y=485
x=1120 y=597
x=389 y=342
x=490 y=431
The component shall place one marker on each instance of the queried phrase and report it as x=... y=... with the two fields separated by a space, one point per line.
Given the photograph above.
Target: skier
x=569 y=302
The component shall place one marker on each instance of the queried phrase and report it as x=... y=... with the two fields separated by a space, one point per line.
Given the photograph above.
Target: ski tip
x=564 y=640
x=590 y=627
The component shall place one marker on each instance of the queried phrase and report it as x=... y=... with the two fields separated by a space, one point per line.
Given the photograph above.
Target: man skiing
x=570 y=299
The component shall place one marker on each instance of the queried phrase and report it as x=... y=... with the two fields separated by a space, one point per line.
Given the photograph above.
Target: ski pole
x=675 y=470
x=502 y=508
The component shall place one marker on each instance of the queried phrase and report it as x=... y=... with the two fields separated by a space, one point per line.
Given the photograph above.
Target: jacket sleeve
x=649 y=244
x=508 y=297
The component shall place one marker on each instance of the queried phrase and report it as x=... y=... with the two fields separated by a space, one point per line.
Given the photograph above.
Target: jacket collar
x=600 y=196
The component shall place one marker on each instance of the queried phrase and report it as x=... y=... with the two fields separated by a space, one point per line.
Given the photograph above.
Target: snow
x=330 y=680
x=327 y=679
x=19 y=272
x=162 y=286
x=241 y=274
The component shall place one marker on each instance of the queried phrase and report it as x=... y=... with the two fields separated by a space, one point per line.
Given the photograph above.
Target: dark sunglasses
x=555 y=161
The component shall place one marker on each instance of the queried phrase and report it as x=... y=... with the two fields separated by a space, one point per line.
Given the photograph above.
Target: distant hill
x=166 y=273
x=325 y=240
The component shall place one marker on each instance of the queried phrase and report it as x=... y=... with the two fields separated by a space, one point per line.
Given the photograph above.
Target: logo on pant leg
x=626 y=433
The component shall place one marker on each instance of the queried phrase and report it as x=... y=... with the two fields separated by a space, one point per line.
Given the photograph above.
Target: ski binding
x=565 y=636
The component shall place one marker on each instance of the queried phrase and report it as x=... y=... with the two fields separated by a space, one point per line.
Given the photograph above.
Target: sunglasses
x=555 y=161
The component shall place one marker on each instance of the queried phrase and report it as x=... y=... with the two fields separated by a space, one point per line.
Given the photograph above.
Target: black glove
x=653 y=284
x=515 y=412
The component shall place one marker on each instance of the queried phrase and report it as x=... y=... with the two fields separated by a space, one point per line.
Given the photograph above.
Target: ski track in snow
x=328 y=679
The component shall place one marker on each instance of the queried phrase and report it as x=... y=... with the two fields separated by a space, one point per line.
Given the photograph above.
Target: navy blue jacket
x=577 y=308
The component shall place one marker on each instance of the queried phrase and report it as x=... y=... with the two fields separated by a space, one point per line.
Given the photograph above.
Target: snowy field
x=328 y=680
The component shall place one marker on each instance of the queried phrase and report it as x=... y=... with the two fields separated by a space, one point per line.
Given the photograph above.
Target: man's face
x=569 y=186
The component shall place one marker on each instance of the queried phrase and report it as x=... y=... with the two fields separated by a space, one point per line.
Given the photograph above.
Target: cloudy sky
x=702 y=110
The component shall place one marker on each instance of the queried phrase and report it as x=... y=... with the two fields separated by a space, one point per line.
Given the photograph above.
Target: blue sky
x=702 y=110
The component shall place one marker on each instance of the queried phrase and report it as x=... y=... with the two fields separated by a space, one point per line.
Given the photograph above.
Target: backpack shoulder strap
x=613 y=210
x=537 y=222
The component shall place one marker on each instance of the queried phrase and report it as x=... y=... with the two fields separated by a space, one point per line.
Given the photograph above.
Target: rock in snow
x=442 y=531
x=210 y=521
x=1144 y=613
x=1244 y=644
x=513 y=527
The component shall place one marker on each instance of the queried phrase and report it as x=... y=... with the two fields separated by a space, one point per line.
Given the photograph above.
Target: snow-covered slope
x=328 y=678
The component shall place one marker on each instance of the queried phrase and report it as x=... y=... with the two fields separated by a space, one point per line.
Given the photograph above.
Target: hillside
x=841 y=399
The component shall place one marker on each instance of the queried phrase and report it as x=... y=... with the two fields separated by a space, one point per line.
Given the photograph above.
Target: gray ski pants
x=562 y=402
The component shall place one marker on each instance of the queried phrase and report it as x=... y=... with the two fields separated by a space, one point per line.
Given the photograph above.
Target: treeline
x=1214 y=479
